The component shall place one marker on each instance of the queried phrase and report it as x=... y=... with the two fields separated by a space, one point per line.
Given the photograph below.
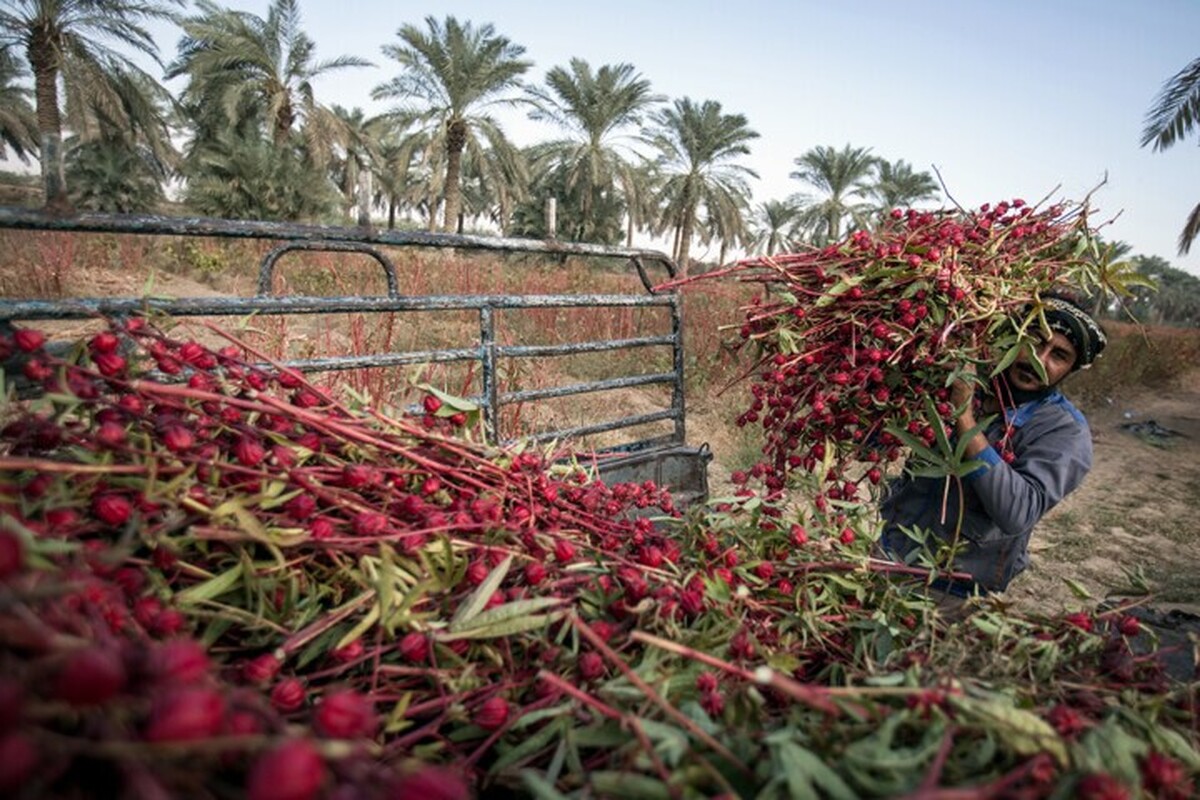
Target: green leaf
x=1010 y=356
x=806 y=773
x=1108 y=747
x=1025 y=732
x=361 y=627
x=539 y=787
x=451 y=404
x=211 y=588
x=529 y=747
x=608 y=783
x=478 y=599
x=1077 y=589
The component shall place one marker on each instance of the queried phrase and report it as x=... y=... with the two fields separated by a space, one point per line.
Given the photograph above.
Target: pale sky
x=1023 y=98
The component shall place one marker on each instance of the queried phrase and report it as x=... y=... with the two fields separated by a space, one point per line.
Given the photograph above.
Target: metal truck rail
x=667 y=459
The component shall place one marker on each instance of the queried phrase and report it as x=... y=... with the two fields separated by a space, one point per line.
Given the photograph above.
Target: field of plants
x=243 y=582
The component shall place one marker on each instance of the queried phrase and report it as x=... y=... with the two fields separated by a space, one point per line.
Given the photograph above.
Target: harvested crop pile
x=856 y=345
x=235 y=585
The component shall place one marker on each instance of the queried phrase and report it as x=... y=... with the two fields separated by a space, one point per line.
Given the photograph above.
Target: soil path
x=1136 y=510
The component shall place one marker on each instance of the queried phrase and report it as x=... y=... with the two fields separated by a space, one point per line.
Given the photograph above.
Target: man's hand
x=962 y=395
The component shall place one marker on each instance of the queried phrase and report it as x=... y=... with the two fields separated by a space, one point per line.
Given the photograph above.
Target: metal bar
x=508 y=398
x=677 y=357
x=266 y=270
x=87 y=222
x=602 y=427
x=487 y=357
x=600 y=346
x=338 y=363
x=82 y=308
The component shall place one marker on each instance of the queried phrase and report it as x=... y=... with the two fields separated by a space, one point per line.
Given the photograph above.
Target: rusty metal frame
x=312 y=238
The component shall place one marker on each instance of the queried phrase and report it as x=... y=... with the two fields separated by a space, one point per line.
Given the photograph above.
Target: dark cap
x=1069 y=318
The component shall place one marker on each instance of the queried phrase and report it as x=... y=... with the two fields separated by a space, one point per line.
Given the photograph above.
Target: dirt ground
x=1137 y=511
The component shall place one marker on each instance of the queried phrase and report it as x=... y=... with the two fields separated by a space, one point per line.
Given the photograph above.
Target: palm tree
x=842 y=176
x=360 y=141
x=18 y=121
x=898 y=186
x=1173 y=116
x=596 y=158
x=242 y=67
x=107 y=174
x=773 y=225
x=70 y=40
x=401 y=172
x=698 y=147
x=453 y=72
x=247 y=177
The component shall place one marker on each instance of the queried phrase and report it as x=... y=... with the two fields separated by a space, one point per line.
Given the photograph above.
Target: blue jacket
x=1052 y=445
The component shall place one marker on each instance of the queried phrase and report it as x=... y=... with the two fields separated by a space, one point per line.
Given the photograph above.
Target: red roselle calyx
x=12 y=554
x=345 y=714
x=288 y=695
x=90 y=676
x=492 y=713
x=430 y=783
x=261 y=669
x=186 y=714
x=180 y=661
x=293 y=770
x=414 y=647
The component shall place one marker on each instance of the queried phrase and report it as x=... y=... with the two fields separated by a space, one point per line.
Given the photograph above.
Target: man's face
x=1057 y=355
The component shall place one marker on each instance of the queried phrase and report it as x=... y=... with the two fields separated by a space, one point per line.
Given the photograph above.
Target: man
x=1033 y=454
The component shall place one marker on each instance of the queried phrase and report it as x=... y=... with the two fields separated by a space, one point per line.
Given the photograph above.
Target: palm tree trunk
x=456 y=140
x=685 y=239
x=49 y=127
x=629 y=230
x=364 y=198
x=391 y=212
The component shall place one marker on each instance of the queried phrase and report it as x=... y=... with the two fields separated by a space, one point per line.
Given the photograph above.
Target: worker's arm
x=1053 y=453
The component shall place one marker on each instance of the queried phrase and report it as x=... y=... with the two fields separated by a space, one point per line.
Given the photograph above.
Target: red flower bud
x=90 y=676
x=249 y=451
x=112 y=509
x=431 y=403
x=535 y=573
x=178 y=439
x=293 y=770
x=18 y=760
x=167 y=623
x=431 y=783
x=180 y=661
x=12 y=554
x=345 y=714
x=492 y=714
x=1079 y=619
x=262 y=669
x=369 y=523
x=591 y=665
x=109 y=365
x=288 y=695
x=414 y=647
x=104 y=342
x=29 y=340
x=1129 y=625
x=350 y=652
x=564 y=551
x=186 y=714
